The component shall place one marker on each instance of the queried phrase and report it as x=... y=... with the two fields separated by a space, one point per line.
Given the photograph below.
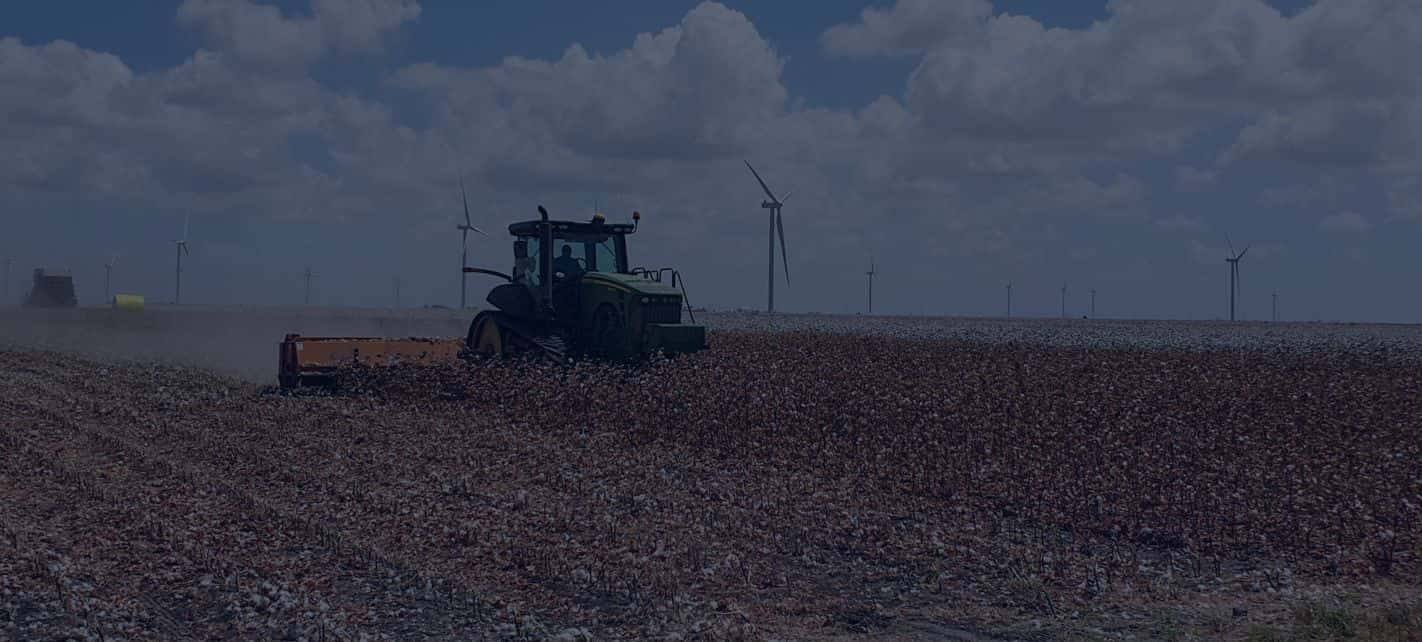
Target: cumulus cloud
x=1347 y=221
x=702 y=89
x=262 y=34
x=1191 y=179
x=1080 y=193
x=1003 y=122
x=910 y=27
x=1321 y=87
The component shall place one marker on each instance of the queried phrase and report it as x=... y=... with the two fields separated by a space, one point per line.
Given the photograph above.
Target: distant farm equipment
x=51 y=289
x=132 y=302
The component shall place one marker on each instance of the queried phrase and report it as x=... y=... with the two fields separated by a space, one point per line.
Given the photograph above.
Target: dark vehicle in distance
x=52 y=289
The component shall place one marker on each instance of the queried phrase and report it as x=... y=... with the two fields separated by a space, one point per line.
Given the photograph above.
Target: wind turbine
x=182 y=248
x=108 y=274
x=1275 y=312
x=307 y=299
x=870 y=274
x=1009 y=299
x=1233 y=261
x=464 y=244
x=776 y=224
x=1064 y=288
x=1093 y=303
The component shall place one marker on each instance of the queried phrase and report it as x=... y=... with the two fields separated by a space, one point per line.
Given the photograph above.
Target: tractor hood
x=630 y=282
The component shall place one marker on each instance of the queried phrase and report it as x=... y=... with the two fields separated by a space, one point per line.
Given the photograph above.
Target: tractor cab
x=555 y=263
x=572 y=290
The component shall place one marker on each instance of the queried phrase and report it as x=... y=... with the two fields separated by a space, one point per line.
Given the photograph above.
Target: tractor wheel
x=486 y=337
x=607 y=330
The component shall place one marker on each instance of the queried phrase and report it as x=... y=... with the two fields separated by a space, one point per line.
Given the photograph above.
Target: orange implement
x=306 y=361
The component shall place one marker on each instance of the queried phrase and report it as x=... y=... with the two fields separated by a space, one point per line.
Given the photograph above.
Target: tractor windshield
x=592 y=252
x=595 y=252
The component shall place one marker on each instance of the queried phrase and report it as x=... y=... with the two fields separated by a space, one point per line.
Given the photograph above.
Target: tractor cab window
x=526 y=261
x=604 y=255
x=593 y=252
x=570 y=259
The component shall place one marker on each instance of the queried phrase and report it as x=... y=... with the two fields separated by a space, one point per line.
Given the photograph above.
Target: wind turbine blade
x=479 y=230
x=762 y=182
x=465 y=196
x=787 y=197
x=1246 y=251
x=785 y=260
x=1231 y=246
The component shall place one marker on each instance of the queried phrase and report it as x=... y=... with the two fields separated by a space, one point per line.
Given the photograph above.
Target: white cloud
x=1323 y=86
x=703 y=89
x=1122 y=192
x=1190 y=179
x=1003 y=124
x=911 y=27
x=261 y=34
x=1347 y=221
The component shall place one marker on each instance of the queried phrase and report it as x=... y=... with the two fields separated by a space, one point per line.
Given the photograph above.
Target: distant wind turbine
x=1233 y=261
x=1064 y=289
x=307 y=299
x=1275 y=311
x=182 y=248
x=870 y=274
x=1093 y=303
x=108 y=278
x=1009 y=299
x=776 y=224
x=464 y=230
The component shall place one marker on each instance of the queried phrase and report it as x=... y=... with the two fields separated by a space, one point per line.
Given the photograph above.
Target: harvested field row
x=798 y=484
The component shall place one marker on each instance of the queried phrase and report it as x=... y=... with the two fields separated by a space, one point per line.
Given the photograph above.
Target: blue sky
x=964 y=144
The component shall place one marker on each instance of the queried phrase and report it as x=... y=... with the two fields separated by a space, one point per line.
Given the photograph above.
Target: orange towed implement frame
x=307 y=361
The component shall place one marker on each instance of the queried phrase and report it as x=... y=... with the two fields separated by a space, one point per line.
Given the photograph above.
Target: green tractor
x=573 y=294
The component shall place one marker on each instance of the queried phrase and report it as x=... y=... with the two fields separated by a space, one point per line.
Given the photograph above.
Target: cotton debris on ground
x=802 y=483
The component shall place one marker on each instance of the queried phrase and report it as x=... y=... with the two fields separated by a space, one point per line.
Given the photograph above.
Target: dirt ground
x=792 y=485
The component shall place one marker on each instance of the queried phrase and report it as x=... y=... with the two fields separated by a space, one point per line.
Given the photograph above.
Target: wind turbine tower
x=1233 y=261
x=1274 y=312
x=464 y=230
x=776 y=224
x=869 y=274
x=1064 y=289
x=182 y=248
x=307 y=299
x=108 y=278
x=1009 y=299
x=1093 y=303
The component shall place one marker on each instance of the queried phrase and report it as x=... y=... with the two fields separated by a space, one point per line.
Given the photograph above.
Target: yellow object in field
x=128 y=302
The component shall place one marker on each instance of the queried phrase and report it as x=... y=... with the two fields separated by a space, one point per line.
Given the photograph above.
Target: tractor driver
x=568 y=265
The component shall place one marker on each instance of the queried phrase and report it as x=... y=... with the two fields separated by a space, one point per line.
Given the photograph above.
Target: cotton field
x=804 y=478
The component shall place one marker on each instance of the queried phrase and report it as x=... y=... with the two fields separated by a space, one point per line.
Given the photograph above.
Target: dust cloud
x=236 y=341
